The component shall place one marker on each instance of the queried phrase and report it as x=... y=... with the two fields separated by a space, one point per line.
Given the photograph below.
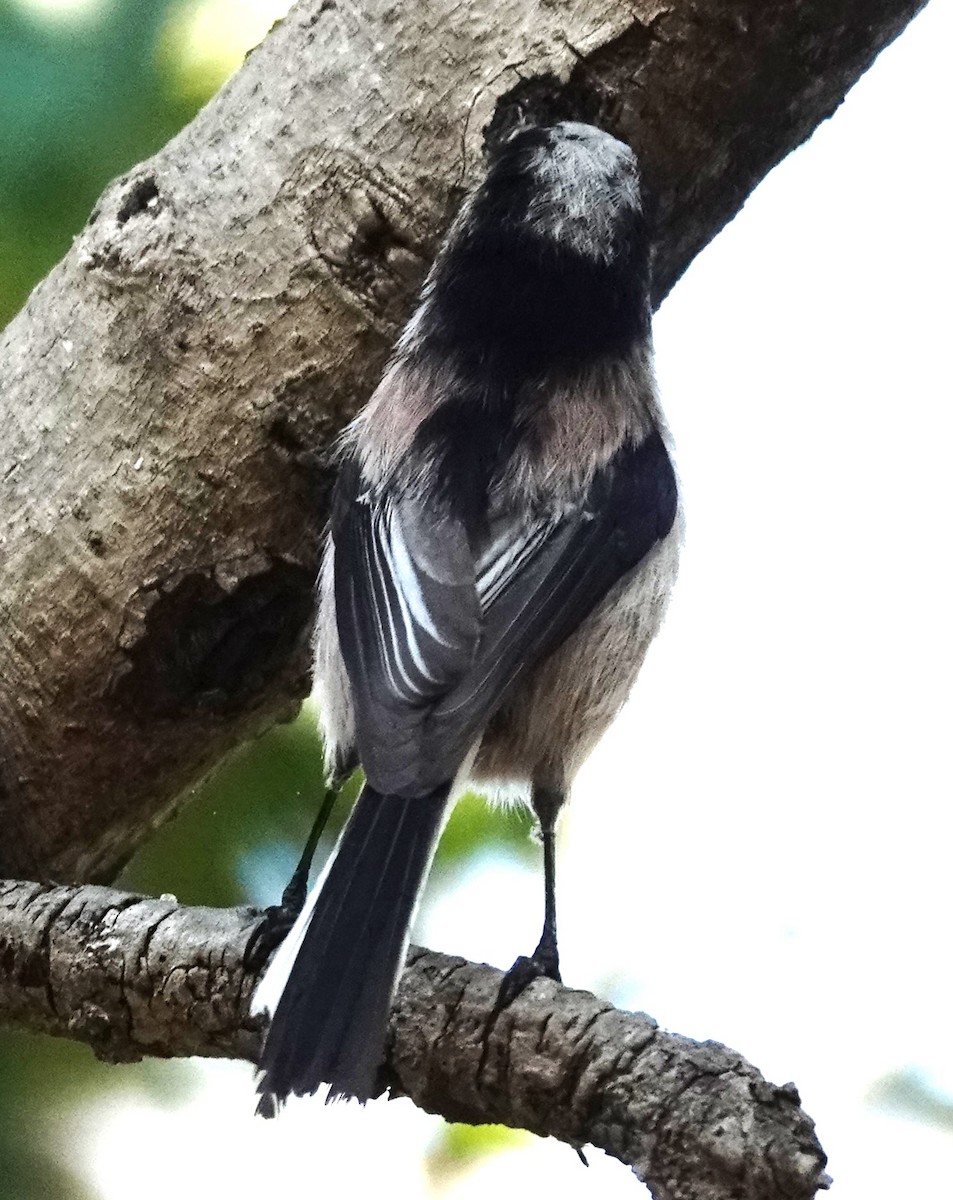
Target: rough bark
x=169 y=393
x=133 y=976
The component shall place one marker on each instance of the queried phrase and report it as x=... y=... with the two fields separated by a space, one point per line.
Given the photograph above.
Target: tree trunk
x=171 y=390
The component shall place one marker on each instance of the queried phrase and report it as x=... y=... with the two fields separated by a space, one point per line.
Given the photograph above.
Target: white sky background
x=760 y=850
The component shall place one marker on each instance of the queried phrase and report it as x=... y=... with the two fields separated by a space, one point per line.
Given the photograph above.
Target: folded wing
x=436 y=623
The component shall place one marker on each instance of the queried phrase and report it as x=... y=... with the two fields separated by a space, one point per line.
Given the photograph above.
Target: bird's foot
x=275 y=925
x=277 y=920
x=542 y=964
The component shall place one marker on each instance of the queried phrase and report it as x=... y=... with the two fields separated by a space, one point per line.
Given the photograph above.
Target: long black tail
x=329 y=1019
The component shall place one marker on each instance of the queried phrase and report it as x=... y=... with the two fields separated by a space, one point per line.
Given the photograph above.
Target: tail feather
x=329 y=1016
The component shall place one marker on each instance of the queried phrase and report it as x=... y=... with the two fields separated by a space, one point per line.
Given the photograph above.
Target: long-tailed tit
x=503 y=543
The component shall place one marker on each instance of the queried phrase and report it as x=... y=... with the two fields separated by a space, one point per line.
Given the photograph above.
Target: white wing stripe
x=495 y=577
x=407 y=622
x=390 y=647
x=406 y=579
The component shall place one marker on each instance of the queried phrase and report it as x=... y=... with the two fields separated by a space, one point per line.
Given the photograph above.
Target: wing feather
x=435 y=629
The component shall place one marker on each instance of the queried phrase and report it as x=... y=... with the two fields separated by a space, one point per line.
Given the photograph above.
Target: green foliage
x=44 y=1084
x=457 y=1147
x=81 y=101
x=475 y=823
x=258 y=804
x=38 y=1080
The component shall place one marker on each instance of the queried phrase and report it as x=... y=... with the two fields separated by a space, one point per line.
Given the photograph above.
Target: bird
x=503 y=542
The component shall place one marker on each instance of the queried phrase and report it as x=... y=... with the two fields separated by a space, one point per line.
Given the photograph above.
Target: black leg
x=296 y=890
x=544 y=961
x=278 y=919
x=547 y=807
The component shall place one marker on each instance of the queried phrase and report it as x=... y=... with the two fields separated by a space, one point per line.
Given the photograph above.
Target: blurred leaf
x=41 y=1080
x=80 y=102
x=476 y=824
x=908 y=1093
x=457 y=1147
x=204 y=42
x=262 y=799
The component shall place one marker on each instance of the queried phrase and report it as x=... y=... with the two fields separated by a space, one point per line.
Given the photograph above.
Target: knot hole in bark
x=214 y=643
x=142 y=196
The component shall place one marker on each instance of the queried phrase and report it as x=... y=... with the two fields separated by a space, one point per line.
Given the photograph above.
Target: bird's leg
x=296 y=889
x=277 y=919
x=544 y=961
x=546 y=955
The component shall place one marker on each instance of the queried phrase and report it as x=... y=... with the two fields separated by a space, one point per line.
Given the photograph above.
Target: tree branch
x=168 y=394
x=134 y=976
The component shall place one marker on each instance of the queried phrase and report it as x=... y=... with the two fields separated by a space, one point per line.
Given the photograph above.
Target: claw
x=523 y=972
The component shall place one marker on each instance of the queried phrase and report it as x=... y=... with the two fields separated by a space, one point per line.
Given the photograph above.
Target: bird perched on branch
x=502 y=546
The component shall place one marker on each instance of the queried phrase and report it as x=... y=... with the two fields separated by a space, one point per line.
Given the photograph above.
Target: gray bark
x=133 y=976
x=170 y=391
x=168 y=397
